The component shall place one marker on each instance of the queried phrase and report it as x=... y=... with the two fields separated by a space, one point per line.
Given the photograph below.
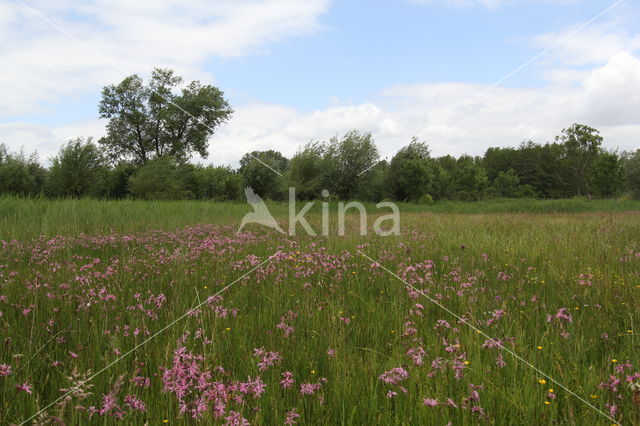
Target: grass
x=71 y=304
x=22 y=218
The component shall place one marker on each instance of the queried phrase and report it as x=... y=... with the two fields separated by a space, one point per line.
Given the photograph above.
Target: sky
x=461 y=75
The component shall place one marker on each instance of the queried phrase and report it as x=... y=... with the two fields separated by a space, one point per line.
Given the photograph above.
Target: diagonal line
x=264 y=164
x=520 y=68
x=477 y=330
x=530 y=61
x=121 y=68
x=181 y=317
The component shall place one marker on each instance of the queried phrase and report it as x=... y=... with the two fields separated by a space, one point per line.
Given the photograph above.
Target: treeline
x=575 y=164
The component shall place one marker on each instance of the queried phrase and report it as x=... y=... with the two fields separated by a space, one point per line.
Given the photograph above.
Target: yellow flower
x=594 y=396
x=165 y=421
x=629 y=331
x=542 y=381
x=547 y=403
x=393 y=331
x=227 y=329
x=313 y=371
x=550 y=390
x=206 y=286
x=466 y=363
x=539 y=347
x=614 y=360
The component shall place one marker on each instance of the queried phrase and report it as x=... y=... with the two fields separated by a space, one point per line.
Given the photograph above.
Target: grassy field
x=177 y=319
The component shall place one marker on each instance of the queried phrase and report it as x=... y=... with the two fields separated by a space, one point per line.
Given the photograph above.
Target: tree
x=607 y=175
x=347 y=164
x=411 y=172
x=19 y=174
x=581 y=145
x=507 y=185
x=469 y=179
x=79 y=170
x=159 y=179
x=306 y=171
x=150 y=121
x=632 y=173
x=217 y=183
x=264 y=171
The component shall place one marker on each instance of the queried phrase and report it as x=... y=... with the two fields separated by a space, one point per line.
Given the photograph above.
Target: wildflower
x=394 y=376
x=430 y=402
x=539 y=347
x=25 y=387
x=309 y=388
x=614 y=360
x=5 y=370
x=391 y=394
x=134 y=403
x=291 y=416
x=542 y=381
x=547 y=403
x=287 y=380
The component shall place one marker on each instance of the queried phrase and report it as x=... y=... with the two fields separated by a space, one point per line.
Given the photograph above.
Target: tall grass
x=71 y=305
x=23 y=218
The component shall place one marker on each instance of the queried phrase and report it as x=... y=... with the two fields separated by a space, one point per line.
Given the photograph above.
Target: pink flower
x=5 y=370
x=394 y=376
x=287 y=380
x=25 y=387
x=430 y=402
x=291 y=416
x=309 y=388
x=134 y=403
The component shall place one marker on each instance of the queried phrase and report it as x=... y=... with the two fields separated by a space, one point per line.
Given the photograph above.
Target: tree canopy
x=154 y=120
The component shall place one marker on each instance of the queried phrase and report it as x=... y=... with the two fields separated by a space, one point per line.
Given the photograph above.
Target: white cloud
x=42 y=65
x=607 y=98
x=594 y=78
x=494 y=4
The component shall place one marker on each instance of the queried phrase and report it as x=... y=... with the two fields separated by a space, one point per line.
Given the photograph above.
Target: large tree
x=264 y=172
x=79 y=170
x=348 y=161
x=411 y=172
x=152 y=120
x=581 y=146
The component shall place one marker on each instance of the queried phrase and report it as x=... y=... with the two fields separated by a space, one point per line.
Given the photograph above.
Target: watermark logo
x=260 y=214
x=383 y=226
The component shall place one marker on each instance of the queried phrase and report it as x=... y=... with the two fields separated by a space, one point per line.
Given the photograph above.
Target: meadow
x=136 y=312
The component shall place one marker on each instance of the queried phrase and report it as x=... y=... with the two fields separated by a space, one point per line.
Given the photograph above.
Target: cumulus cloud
x=593 y=77
x=493 y=4
x=606 y=97
x=42 y=64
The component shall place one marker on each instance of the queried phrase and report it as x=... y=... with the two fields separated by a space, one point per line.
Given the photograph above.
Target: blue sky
x=301 y=70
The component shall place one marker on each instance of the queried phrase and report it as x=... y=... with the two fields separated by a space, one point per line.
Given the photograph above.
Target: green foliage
x=79 y=170
x=507 y=185
x=411 y=172
x=216 y=183
x=469 y=180
x=632 y=173
x=607 y=175
x=159 y=179
x=19 y=174
x=148 y=121
x=264 y=171
x=581 y=148
x=307 y=171
x=348 y=161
